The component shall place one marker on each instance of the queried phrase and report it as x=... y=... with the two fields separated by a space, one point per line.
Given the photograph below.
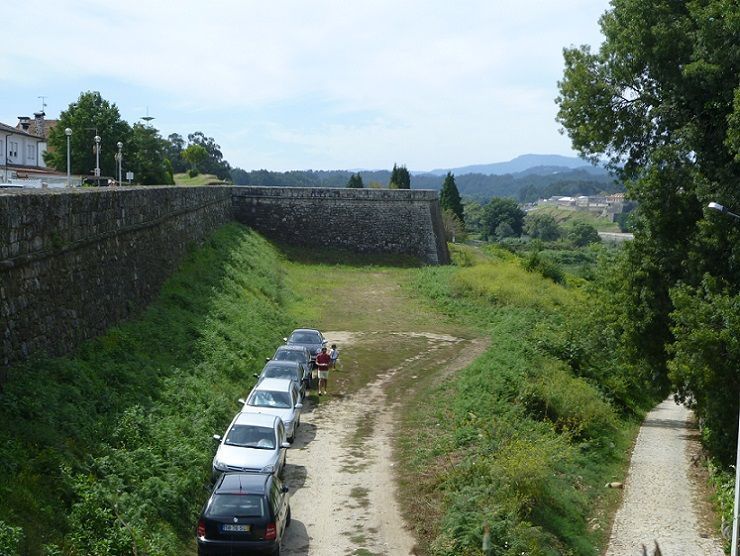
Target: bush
x=193 y=172
x=10 y=539
x=534 y=262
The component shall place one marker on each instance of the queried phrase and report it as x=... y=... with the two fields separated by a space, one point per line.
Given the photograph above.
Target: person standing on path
x=334 y=355
x=323 y=361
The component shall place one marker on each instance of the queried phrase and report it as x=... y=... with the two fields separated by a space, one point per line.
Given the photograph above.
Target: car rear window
x=305 y=338
x=280 y=372
x=290 y=355
x=242 y=505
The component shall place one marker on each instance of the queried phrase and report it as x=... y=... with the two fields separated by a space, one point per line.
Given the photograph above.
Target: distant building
x=22 y=149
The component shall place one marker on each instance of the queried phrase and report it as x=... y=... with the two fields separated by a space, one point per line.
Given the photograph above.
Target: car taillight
x=270 y=532
x=201 y=532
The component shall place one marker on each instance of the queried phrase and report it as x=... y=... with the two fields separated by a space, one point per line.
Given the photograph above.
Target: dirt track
x=340 y=469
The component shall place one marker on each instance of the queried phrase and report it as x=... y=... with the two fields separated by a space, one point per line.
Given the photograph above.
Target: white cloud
x=392 y=75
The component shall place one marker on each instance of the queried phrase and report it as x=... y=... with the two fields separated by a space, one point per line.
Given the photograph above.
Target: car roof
x=256 y=419
x=250 y=483
x=275 y=385
x=305 y=330
x=274 y=363
x=291 y=347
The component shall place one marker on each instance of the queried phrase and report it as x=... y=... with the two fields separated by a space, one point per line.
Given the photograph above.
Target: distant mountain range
x=545 y=163
x=525 y=178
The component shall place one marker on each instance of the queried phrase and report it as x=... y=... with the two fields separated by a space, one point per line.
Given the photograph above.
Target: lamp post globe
x=97 y=156
x=119 y=158
x=68 y=133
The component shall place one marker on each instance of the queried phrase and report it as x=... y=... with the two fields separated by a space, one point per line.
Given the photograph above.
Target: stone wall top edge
x=57 y=191
x=334 y=192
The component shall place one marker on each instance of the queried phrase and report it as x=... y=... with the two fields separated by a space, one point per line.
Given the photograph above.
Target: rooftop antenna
x=147 y=118
x=43 y=104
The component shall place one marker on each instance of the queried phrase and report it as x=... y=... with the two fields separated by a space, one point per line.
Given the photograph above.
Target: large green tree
x=89 y=115
x=400 y=178
x=173 y=151
x=542 y=225
x=502 y=217
x=449 y=197
x=148 y=159
x=660 y=100
x=214 y=162
x=355 y=181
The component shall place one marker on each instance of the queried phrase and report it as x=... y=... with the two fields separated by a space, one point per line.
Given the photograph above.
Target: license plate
x=235 y=528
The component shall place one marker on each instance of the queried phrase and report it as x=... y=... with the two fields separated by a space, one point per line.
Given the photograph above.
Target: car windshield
x=242 y=505
x=290 y=355
x=267 y=398
x=280 y=372
x=249 y=436
x=305 y=338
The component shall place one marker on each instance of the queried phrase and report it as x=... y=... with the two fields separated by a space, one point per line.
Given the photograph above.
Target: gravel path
x=659 y=499
x=340 y=468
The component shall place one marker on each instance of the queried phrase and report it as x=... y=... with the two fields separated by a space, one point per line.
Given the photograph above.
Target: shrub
x=10 y=539
x=193 y=172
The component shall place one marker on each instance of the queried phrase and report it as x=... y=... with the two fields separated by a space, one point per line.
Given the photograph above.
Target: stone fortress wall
x=75 y=262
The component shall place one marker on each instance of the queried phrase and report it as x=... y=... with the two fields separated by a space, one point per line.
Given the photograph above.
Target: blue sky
x=321 y=84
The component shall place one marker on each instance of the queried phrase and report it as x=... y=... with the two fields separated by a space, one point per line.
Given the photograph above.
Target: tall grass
x=107 y=451
x=523 y=444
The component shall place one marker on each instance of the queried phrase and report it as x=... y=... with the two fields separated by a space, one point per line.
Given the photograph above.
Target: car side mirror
x=255 y=375
x=242 y=401
x=267 y=359
x=285 y=445
x=285 y=339
x=217 y=438
x=298 y=405
x=285 y=489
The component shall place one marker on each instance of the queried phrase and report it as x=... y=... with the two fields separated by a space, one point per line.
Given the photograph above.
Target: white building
x=20 y=151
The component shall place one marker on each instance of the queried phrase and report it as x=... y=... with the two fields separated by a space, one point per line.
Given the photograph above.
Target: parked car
x=254 y=442
x=245 y=514
x=292 y=370
x=279 y=397
x=309 y=338
x=295 y=353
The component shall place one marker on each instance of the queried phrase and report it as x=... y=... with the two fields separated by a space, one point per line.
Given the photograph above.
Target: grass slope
x=523 y=445
x=566 y=217
x=200 y=179
x=107 y=451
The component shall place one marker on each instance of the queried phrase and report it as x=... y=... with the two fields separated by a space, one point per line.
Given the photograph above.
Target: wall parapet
x=400 y=221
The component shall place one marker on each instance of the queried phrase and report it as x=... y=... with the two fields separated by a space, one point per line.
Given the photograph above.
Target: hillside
x=521 y=163
x=526 y=186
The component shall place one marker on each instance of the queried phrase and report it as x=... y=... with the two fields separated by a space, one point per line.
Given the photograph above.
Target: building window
x=13 y=149
x=31 y=152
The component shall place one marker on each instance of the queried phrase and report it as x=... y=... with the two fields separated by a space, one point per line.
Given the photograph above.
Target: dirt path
x=660 y=502
x=340 y=468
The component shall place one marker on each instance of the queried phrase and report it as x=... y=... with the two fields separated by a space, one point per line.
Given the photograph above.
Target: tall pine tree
x=355 y=182
x=400 y=178
x=449 y=197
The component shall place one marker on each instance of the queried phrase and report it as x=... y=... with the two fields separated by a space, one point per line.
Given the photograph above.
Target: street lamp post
x=733 y=550
x=68 y=133
x=119 y=159
x=97 y=157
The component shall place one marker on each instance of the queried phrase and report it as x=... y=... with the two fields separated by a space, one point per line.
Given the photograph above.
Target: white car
x=254 y=442
x=276 y=396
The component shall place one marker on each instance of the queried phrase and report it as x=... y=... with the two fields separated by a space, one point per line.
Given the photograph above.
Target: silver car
x=254 y=442
x=276 y=396
x=292 y=370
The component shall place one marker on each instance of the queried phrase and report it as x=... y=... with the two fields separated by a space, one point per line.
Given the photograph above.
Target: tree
x=453 y=226
x=213 y=163
x=173 y=151
x=147 y=159
x=355 y=182
x=541 y=225
x=502 y=211
x=449 y=197
x=400 y=178
x=660 y=100
x=194 y=155
x=89 y=115
x=582 y=233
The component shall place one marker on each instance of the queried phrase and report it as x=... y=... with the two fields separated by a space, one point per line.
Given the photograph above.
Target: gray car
x=254 y=442
x=292 y=370
x=276 y=396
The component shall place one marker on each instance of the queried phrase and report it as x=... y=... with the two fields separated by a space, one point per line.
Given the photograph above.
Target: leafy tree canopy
x=148 y=161
x=89 y=115
x=400 y=178
x=195 y=154
x=449 y=197
x=542 y=226
x=660 y=100
x=355 y=182
x=502 y=211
